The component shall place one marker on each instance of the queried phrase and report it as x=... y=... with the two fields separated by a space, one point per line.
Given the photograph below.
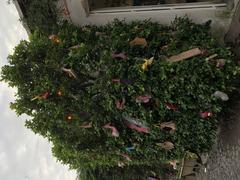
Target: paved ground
x=224 y=160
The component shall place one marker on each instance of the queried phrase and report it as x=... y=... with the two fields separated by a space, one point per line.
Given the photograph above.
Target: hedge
x=113 y=95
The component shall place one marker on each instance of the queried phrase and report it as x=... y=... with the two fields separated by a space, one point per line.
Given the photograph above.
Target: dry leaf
x=166 y=145
x=185 y=55
x=138 y=41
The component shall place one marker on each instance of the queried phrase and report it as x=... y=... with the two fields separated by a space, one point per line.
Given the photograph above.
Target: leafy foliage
x=106 y=88
x=42 y=15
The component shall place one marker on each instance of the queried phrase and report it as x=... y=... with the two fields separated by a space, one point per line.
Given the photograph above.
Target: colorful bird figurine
x=166 y=145
x=69 y=72
x=221 y=95
x=86 y=125
x=42 y=96
x=168 y=125
x=143 y=99
x=115 y=132
x=116 y=80
x=121 y=164
x=121 y=55
x=173 y=163
x=129 y=149
x=120 y=104
x=126 y=156
x=135 y=124
x=55 y=39
x=205 y=114
x=147 y=63
x=171 y=106
x=220 y=63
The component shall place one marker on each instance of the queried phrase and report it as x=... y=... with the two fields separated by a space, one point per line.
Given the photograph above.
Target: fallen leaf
x=185 y=55
x=138 y=41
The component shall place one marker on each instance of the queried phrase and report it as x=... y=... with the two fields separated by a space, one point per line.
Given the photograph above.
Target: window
x=113 y=4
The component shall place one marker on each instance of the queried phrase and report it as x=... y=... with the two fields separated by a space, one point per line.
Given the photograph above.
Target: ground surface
x=224 y=160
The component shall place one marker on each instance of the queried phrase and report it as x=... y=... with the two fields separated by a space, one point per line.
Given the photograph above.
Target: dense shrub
x=42 y=15
x=174 y=92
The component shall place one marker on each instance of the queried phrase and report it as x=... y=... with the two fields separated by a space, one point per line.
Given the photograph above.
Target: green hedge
x=64 y=103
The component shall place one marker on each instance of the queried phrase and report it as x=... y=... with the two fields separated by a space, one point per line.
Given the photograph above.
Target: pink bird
x=126 y=156
x=86 y=125
x=138 y=128
x=171 y=106
x=205 y=114
x=115 y=132
x=143 y=99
